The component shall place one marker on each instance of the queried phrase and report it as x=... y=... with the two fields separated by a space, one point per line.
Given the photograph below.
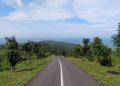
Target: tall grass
x=106 y=76
x=23 y=73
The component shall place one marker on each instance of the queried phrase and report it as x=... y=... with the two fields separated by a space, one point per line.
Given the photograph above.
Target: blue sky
x=58 y=18
x=5 y=10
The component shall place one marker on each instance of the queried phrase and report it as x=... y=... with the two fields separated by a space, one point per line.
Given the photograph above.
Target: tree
x=101 y=51
x=116 y=41
x=28 y=47
x=86 y=47
x=63 y=52
x=0 y=61
x=116 y=37
x=12 y=51
x=40 y=54
x=77 y=50
x=96 y=46
x=85 y=41
x=105 y=59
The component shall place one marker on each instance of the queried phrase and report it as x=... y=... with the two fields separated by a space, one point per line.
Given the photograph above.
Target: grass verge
x=106 y=76
x=23 y=73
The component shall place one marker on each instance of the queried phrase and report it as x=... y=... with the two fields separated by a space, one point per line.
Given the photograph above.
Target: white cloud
x=54 y=30
x=97 y=11
x=49 y=10
x=102 y=16
x=93 y=11
x=43 y=10
x=17 y=15
x=17 y=4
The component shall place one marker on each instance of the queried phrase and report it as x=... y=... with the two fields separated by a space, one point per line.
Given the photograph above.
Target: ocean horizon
x=106 y=41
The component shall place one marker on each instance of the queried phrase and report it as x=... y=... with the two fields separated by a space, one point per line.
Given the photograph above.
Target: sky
x=59 y=18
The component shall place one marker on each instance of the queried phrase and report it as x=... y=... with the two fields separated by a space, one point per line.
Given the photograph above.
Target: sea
x=106 y=41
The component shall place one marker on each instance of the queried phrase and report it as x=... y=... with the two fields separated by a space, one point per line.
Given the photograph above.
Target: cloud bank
x=44 y=18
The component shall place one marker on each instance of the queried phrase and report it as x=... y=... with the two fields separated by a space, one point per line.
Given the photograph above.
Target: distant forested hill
x=48 y=47
x=68 y=47
x=106 y=41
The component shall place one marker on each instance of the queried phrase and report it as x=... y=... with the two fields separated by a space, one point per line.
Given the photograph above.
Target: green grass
x=23 y=73
x=106 y=76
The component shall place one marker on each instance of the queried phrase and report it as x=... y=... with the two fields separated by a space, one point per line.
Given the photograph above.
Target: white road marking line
x=61 y=73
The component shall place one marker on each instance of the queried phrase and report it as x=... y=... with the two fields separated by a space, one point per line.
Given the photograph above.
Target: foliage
x=44 y=48
x=106 y=76
x=0 y=60
x=12 y=50
x=41 y=54
x=86 y=47
x=116 y=37
x=117 y=51
x=77 y=50
x=13 y=57
x=27 y=47
x=64 y=52
x=95 y=49
x=116 y=41
x=22 y=74
x=105 y=59
x=101 y=51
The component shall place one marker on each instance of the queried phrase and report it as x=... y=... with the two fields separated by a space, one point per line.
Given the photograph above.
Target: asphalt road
x=61 y=72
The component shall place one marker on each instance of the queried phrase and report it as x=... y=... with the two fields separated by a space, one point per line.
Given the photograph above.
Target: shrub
x=106 y=62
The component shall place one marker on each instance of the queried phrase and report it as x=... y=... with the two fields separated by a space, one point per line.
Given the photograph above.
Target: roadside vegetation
x=22 y=73
x=95 y=50
x=106 y=76
x=100 y=61
x=19 y=62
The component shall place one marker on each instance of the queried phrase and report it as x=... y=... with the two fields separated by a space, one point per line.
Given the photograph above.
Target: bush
x=91 y=59
x=106 y=62
x=117 y=51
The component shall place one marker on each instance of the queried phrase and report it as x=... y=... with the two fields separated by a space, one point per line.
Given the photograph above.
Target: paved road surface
x=61 y=72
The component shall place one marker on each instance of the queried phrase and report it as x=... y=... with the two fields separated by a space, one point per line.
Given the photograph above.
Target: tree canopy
x=12 y=50
x=116 y=37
